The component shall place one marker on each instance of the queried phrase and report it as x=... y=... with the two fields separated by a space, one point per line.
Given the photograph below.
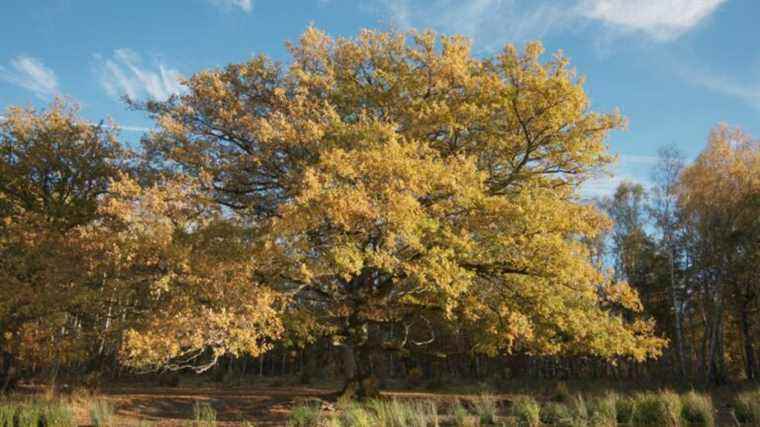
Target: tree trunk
x=360 y=384
x=8 y=372
x=749 y=351
x=678 y=321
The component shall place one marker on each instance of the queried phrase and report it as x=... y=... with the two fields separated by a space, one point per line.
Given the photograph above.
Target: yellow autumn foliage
x=395 y=178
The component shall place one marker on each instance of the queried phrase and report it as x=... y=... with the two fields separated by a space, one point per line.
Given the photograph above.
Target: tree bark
x=677 y=314
x=360 y=384
x=749 y=351
x=7 y=374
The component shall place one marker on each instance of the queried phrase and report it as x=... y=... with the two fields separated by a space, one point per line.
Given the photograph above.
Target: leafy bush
x=527 y=411
x=698 y=409
x=205 y=415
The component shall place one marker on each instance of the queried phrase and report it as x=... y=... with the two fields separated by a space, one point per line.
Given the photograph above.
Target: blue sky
x=675 y=68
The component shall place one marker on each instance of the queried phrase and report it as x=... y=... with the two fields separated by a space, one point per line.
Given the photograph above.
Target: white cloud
x=660 y=19
x=31 y=74
x=245 y=5
x=630 y=167
x=489 y=23
x=139 y=129
x=124 y=74
x=493 y=22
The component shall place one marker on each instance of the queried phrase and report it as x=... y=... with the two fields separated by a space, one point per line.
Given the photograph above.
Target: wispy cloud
x=660 y=19
x=31 y=74
x=125 y=74
x=488 y=22
x=630 y=167
x=746 y=91
x=493 y=22
x=245 y=5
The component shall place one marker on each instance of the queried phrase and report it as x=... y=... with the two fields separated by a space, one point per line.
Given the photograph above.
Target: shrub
x=527 y=411
x=204 y=414
x=308 y=415
x=101 y=413
x=698 y=409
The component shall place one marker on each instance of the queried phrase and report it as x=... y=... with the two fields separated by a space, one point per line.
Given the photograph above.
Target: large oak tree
x=395 y=178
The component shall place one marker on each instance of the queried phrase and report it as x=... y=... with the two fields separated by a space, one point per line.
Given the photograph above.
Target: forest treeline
x=384 y=206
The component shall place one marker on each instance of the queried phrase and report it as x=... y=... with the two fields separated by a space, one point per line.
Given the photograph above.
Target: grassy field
x=285 y=405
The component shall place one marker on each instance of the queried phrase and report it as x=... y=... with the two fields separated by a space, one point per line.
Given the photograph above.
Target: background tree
x=54 y=166
x=665 y=213
x=183 y=275
x=719 y=195
x=394 y=179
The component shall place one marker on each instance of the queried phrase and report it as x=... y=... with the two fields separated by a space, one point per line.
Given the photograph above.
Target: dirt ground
x=269 y=404
x=263 y=406
x=259 y=405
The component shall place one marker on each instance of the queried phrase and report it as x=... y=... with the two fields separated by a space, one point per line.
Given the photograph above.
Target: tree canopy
x=394 y=178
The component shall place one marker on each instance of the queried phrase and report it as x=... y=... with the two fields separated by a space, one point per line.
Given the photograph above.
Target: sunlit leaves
x=394 y=176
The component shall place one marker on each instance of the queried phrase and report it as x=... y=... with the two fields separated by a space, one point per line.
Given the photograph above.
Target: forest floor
x=259 y=405
x=270 y=403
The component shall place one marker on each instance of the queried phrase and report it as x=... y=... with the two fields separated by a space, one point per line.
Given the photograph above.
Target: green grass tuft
x=556 y=413
x=486 y=407
x=204 y=414
x=747 y=407
x=101 y=413
x=527 y=411
x=698 y=409
x=603 y=411
x=657 y=409
x=308 y=415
